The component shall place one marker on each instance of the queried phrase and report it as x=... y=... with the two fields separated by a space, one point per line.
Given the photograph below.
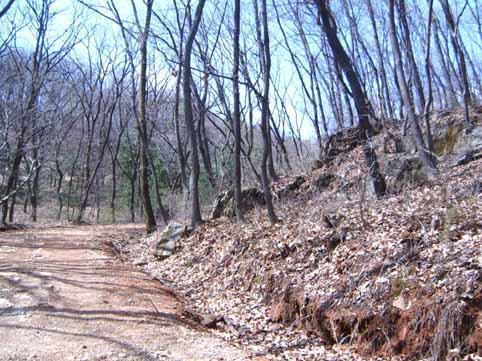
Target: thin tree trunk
x=180 y=148
x=237 y=114
x=424 y=153
x=411 y=57
x=264 y=53
x=162 y=209
x=13 y=176
x=381 y=63
x=455 y=37
x=429 y=100
x=58 y=189
x=150 y=219
x=448 y=83
x=196 y=217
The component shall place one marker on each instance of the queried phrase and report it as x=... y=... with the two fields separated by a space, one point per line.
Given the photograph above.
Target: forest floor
x=65 y=296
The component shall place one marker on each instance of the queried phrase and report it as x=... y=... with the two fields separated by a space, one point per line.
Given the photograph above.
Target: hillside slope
x=344 y=273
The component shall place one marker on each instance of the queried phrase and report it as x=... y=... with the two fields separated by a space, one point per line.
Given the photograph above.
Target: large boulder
x=404 y=169
x=168 y=239
x=445 y=137
x=220 y=203
x=468 y=146
x=457 y=140
x=224 y=203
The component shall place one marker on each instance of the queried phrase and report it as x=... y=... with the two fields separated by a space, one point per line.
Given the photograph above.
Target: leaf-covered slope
x=394 y=276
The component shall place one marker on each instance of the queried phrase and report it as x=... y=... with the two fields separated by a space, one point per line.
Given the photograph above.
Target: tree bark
x=428 y=73
x=411 y=58
x=264 y=53
x=150 y=219
x=237 y=114
x=455 y=38
x=196 y=217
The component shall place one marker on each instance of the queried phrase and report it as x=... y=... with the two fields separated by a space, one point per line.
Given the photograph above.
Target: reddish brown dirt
x=63 y=296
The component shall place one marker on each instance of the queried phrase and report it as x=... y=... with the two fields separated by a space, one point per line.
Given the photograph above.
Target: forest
x=320 y=160
x=139 y=110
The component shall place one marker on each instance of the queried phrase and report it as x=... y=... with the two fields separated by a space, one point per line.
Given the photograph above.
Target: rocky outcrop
x=445 y=137
x=458 y=143
x=403 y=169
x=340 y=142
x=291 y=187
x=224 y=203
x=323 y=181
x=468 y=156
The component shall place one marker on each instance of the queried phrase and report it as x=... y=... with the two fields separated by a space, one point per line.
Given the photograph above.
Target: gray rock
x=403 y=170
x=463 y=142
x=168 y=240
x=445 y=137
x=220 y=203
x=211 y=321
x=467 y=157
x=224 y=204
x=469 y=140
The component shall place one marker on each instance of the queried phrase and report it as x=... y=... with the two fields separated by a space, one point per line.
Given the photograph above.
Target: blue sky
x=71 y=12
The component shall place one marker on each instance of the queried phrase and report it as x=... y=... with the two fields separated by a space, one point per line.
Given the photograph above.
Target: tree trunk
x=196 y=218
x=411 y=58
x=237 y=114
x=429 y=100
x=424 y=153
x=264 y=53
x=448 y=83
x=150 y=219
x=58 y=189
x=455 y=38
x=180 y=148
x=362 y=104
x=13 y=176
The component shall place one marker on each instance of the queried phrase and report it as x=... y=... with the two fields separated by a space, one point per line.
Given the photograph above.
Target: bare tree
x=424 y=152
x=237 y=113
x=456 y=43
x=265 y=56
x=196 y=218
x=362 y=104
x=150 y=219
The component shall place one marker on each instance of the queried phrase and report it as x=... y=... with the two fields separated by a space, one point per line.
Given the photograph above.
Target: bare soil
x=64 y=296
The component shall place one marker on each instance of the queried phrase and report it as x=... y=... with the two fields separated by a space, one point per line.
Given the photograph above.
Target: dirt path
x=63 y=297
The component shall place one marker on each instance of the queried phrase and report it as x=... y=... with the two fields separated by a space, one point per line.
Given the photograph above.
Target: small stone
x=401 y=303
x=211 y=321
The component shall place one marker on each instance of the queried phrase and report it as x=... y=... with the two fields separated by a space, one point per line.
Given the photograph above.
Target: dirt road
x=64 y=297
